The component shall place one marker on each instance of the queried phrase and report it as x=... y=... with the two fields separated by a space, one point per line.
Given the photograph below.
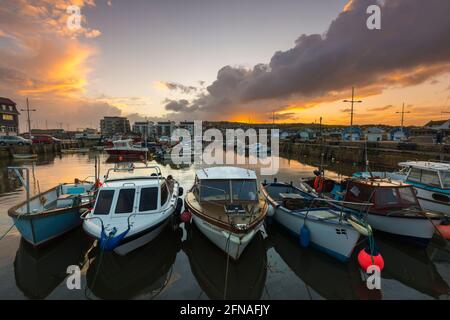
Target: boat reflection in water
x=246 y=277
x=143 y=273
x=320 y=272
x=411 y=266
x=39 y=271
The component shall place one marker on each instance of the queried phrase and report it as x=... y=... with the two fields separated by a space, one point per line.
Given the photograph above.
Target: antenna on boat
x=206 y=174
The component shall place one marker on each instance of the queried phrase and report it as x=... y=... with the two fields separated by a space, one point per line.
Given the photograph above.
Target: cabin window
x=430 y=178
x=446 y=179
x=244 y=190
x=387 y=197
x=215 y=190
x=125 y=201
x=104 y=201
x=415 y=175
x=149 y=199
x=407 y=195
x=164 y=194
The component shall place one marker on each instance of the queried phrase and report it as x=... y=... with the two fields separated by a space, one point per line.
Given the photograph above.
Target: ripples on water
x=183 y=264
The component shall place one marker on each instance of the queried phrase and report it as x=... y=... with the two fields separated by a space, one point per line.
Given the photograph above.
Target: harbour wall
x=8 y=151
x=380 y=154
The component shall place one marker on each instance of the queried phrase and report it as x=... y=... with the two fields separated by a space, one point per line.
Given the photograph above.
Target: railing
x=131 y=169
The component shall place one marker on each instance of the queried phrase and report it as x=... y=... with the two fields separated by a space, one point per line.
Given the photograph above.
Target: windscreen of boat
x=214 y=190
x=104 y=202
x=445 y=176
x=125 y=201
x=244 y=190
x=149 y=199
x=395 y=197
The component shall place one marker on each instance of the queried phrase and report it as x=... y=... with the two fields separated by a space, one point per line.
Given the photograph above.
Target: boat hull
x=336 y=240
x=132 y=243
x=43 y=228
x=428 y=203
x=418 y=230
x=232 y=244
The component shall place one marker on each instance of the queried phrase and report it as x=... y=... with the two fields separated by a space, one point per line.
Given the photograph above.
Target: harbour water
x=183 y=264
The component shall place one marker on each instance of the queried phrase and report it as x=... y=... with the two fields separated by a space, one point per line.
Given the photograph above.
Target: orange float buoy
x=444 y=230
x=365 y=259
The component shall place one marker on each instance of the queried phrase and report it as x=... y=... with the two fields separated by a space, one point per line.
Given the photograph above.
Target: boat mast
x=28 y=118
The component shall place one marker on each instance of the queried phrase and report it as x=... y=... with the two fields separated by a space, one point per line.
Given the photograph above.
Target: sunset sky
x=234 y=60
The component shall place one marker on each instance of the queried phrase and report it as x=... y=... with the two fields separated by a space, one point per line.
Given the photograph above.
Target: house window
x=8 y=117
x=10 y=108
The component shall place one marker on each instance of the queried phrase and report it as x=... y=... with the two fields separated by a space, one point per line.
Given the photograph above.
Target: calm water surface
x=182 y=264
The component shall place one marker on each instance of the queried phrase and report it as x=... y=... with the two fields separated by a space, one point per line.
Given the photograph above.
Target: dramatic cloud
x=173 y=86
x=42 y=59
x=411 y=48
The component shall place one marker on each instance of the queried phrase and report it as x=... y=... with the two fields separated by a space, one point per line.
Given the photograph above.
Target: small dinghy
x=24 y=156
x=312 y=221
x=226 y=208
x=52 y=213
x=132 y=209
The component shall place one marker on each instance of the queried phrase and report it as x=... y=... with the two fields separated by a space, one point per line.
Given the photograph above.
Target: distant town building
x=398 y=134
x=9 y=117
x=114 y=125
x=306 y=134
x=439 y=125
x=146 y=129
x=88 y=134
x=165 y=128
x=375 y=134
x=352 y=134
x=188 y=125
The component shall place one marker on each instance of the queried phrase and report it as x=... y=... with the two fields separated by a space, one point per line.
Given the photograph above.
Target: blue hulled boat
x=51 y=214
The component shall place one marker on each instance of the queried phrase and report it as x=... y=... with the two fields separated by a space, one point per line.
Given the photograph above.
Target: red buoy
x=444 y=230
x=186 y=216
x=365 y=259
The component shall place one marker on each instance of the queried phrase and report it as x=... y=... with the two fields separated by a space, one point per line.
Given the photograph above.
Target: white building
x=165 y=128
x=145 y=128
x=375 y=134
x=438 y=125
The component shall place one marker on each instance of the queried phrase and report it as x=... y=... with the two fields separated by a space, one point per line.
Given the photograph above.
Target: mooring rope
x=7 y=231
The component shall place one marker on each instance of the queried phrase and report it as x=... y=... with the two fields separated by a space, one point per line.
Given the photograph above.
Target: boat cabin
x=145 y=196
x=226 y=184
x=123 y=143
x=385 y=195
x=432 y=174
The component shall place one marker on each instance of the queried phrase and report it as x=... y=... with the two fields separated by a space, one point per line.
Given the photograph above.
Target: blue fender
x=305 y=236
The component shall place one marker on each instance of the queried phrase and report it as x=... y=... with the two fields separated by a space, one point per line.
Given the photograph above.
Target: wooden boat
x=430 y=179
x=330 y=231
x=126 y=148
x=132 y=209
x=226 y=208
x=24 y=156
x=52 y=213
x=395 y=208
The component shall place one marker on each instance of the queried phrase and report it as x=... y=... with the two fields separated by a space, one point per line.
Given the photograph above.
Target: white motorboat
x=132 y=209
x=126 y=148
x=430 y=179
x=327 y=229
x=226 y=207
